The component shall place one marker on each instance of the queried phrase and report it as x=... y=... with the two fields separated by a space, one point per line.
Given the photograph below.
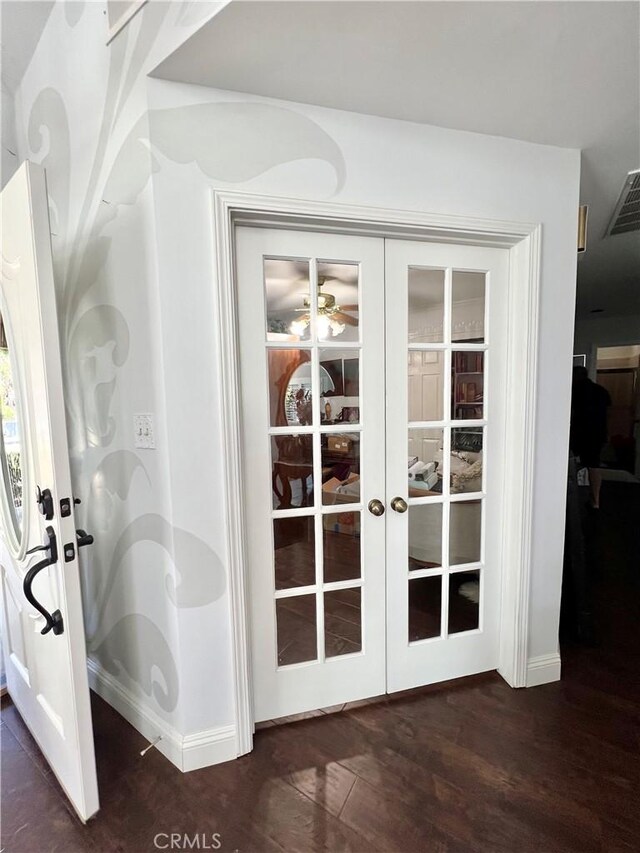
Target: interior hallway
x=468 y=766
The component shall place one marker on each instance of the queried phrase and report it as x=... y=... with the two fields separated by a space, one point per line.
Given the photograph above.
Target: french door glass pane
x=465 y=529
x=294 y=549
x=425 y=536
x=315 y=385
x=292 y=470
x=288 y=299
x=296 y=625
x=339 y=386
x=466 y=459
x=340 y=468
x=338 y=302
x=426 y=380
x=424 y=461
x=425 y=603
x=446 y=314
x=342 y=621
x=341 y=546
x=290 y=387
x=467 y=385
x=464 y=601
x=467 y=306
x=426 y=305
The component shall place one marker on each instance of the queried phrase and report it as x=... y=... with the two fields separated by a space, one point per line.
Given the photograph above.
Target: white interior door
x=43 y=631
x=446 y=309
x=311 y=326
x=350 y=396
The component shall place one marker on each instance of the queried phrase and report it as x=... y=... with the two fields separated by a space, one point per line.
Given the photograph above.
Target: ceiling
x=21 y=25
x=574 y=65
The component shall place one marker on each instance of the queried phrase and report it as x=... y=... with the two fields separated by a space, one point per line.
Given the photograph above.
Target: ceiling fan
x=332 y=318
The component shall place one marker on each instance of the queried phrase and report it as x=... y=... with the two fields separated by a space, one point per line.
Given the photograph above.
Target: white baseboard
x=187 y=752
x=211 y=746
x=543 y=669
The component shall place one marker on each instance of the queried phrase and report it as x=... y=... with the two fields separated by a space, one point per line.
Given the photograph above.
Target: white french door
x=372 y=378
x=311 y=310
x=42 y=625
x=446 y=311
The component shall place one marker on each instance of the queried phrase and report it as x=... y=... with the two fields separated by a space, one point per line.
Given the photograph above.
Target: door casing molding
x=523 y=240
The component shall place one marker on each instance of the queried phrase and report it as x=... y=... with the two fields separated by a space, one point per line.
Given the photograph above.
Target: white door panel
x=313 y=419
x=46 y=672
x=446 y=330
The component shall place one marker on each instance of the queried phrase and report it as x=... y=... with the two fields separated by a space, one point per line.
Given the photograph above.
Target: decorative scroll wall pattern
x=98 y=185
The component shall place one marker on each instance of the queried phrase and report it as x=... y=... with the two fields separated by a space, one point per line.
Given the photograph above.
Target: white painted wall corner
x=543 y=669
x=187 y=752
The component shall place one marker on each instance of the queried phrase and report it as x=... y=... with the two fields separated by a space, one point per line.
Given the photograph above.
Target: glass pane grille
x=315 y=420
x=448 y=341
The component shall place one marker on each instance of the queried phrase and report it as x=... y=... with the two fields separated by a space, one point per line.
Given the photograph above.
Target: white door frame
x=523 y=240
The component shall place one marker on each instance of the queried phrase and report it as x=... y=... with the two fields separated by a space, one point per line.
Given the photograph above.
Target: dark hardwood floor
x=464 y=766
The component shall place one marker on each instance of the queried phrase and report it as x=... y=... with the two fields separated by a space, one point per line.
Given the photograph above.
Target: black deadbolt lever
x=54 y=620
x=83 y=538
x=44 y=499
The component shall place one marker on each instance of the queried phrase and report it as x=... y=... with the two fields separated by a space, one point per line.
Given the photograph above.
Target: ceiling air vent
x=626 y=216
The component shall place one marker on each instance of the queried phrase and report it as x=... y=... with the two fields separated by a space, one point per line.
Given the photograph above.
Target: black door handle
x=83 y=538
x=54 y=620
x=44 y=499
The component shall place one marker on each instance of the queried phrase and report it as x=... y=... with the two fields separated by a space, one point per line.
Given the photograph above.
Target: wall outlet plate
x=143 y=432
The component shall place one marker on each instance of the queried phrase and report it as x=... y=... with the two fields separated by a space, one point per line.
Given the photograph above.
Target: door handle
x=54 y=620
x=44 y=499
x=376 y=507
x=399 y=504
x=83 y=538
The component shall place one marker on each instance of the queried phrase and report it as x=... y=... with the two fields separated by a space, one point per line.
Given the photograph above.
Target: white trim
x=522 y=360
x=187 y=752
x=210 y=746
x=524 y=241
x=543 y=670
x=229 y=361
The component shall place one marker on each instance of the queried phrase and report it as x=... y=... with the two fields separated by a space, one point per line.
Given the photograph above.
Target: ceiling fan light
x=324 y=326
x=336 y=327
x=297 y=327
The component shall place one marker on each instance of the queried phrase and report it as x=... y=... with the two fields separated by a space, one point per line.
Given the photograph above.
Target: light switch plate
x=143 y=432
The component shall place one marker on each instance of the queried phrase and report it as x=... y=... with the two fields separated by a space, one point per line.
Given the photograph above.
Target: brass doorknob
x=376 y=507
x=399 y=504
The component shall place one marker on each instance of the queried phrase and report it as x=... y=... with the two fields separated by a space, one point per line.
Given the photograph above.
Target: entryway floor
x=465 y=766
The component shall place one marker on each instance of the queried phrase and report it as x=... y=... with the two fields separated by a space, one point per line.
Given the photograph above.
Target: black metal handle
x=83 y=538
x=54 y=620
x=37 y=548
x=44 y=499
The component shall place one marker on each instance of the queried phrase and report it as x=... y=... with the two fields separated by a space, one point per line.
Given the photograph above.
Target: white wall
x=204 y=138
x=134 y=260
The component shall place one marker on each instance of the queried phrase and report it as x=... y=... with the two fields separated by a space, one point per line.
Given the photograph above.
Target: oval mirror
x=298 y=397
